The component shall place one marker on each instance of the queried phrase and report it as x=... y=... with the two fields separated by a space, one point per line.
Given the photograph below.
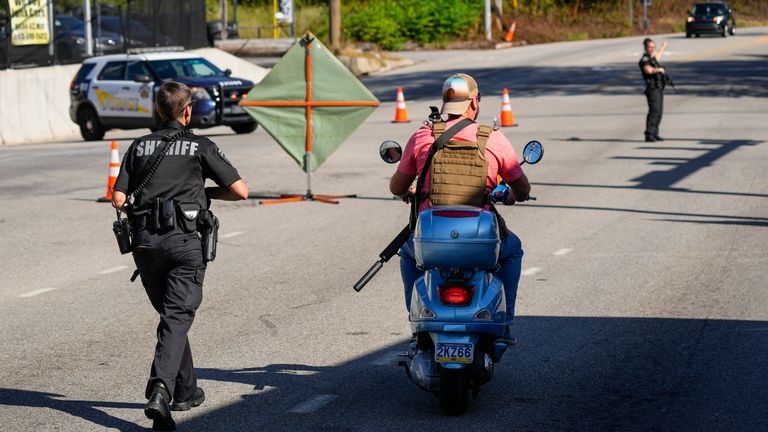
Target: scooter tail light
x=456 y=295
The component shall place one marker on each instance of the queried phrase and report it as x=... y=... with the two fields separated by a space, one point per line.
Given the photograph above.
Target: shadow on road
x=682 y=167
x=567 y=374
x=87 y=410
x=744 y=77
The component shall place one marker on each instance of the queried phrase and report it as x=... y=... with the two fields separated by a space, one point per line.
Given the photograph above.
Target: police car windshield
x=193 y=68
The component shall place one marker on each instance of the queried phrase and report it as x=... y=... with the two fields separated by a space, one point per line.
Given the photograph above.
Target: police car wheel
x=90 y=126
x=244 y=128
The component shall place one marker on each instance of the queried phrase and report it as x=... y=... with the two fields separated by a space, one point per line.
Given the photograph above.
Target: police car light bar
x=143 y=50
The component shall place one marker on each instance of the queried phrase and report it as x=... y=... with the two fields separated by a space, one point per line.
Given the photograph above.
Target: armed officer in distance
x=655 y=80
x=165 y=174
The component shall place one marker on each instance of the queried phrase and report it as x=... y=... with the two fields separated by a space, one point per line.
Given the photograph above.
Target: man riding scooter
x=462 y=174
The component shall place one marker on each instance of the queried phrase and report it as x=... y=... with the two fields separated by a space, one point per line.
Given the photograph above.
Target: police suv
x=118 y=91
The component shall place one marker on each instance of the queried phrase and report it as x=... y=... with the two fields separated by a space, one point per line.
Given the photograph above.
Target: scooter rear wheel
x=454 y=391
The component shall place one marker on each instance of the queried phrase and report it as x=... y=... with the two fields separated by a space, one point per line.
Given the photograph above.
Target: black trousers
x=655 y=98
x=172 y=272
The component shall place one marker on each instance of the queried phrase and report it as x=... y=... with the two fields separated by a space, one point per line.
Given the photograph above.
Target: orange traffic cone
x=511 y=32
x=401 y=114
x=114 y=170
x=507 y=119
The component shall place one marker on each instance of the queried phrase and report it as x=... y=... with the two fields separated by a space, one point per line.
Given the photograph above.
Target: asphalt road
x=643 y=304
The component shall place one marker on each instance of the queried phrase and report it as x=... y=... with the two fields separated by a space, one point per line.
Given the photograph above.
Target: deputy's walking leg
x=183 y=296
x=661 y=111
x=186 y=379
x=151 y=266
x=653 y=95
x=510 y=262
x=408 y=270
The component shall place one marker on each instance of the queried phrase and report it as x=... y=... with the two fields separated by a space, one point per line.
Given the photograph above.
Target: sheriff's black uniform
x=170 y=259
x=654 y=92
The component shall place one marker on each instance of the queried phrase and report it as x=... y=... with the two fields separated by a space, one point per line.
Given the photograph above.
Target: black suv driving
x=716 y=18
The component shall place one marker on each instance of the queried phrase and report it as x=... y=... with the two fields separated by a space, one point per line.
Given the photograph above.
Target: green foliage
x=390 y=23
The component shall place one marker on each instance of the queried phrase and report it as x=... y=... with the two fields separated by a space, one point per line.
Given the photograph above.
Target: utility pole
x=51 y=52
x=88 y=30
x=487 y=15
x=223 y=8
x=646 y=25
x=335 y=10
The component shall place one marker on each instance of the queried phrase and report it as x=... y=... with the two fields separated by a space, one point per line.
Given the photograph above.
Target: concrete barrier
x=34 y=103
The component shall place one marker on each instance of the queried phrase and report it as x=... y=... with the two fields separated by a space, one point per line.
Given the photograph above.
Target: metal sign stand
x=308 y=103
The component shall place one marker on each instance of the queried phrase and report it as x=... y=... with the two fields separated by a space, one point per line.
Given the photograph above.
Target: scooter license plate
x=454 y=353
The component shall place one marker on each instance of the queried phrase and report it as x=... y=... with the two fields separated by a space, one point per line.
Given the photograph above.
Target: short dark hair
x=171 y=100
x=646 y=42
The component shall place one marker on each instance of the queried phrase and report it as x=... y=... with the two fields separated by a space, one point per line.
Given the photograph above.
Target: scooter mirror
x=533 y=152
x=390 y=151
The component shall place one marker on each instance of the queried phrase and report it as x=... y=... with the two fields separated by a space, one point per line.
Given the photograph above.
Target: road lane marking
x=36 y=292
x=112 y=270
x=563 y=251
x=313 y=404
x=230 y=235
x=531 y=271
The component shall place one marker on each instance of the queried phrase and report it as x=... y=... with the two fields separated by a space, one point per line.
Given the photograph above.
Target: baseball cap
x=458 y=91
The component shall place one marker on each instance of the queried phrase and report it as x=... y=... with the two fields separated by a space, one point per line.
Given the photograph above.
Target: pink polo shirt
x=502 y=160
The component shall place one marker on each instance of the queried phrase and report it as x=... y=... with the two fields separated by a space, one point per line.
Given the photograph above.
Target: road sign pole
x=645 y=16
x=487 y=14
x=88 y=31
x=51 y=52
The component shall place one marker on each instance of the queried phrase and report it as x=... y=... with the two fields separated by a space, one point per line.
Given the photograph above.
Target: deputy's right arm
x=235 y=192
x=218 y=168
x=650 y=70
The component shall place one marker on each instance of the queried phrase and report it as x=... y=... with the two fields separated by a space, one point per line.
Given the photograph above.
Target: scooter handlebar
x=368 y=275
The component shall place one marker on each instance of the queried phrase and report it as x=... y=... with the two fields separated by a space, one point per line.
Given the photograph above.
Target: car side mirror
x=390 y=151
x=228 y=72
x=142 y=78
x=533 y=152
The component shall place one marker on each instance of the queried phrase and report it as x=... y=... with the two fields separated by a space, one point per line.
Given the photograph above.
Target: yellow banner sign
x=29 y=22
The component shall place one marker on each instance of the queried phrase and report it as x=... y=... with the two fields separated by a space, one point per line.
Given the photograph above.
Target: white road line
x=531 y=271
x=36 y=292
x=230 y=235
x=112 y=270
x=563 y=251
x=313 y=404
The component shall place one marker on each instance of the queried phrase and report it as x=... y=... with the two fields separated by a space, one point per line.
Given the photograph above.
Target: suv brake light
x=456 y=295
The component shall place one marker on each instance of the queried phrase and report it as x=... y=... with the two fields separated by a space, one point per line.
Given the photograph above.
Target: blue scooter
x=458 y=309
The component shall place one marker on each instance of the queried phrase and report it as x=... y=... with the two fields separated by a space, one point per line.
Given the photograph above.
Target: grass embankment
x=394 y=24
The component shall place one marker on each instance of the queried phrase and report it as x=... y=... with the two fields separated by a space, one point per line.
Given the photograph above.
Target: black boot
x=158 y=410
x=197 y=399
x=658 y=138
x=650 y=138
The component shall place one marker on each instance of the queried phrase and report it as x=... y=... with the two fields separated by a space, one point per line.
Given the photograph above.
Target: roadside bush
x=390 y=23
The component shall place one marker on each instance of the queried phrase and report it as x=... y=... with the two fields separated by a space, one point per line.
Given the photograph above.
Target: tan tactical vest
x=459 y=170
